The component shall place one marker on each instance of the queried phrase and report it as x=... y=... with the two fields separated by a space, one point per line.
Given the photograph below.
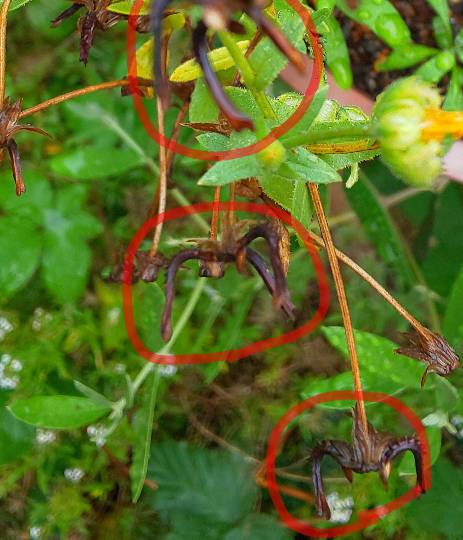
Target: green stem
x=184 y=318
x=247 y=73
x=329 y=132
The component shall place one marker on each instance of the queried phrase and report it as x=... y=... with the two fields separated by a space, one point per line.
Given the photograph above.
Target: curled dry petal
x=433 y=350
x=369 y=452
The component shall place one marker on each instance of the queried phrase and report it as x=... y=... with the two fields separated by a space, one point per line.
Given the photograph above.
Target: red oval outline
x=205 y=155
x=231 y=355
x=366 y=518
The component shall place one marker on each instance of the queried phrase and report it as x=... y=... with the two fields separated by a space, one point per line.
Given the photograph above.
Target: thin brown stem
x=71 y=95
x=375 y=285
x=341 y=293
x=3 y=25
x=215 y=214
x=162 y=178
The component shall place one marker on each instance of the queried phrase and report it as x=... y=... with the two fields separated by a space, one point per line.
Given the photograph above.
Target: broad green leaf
x=441 y=7
x=260 y=527
x=435 y=68
x=220 y=59
x=124 y=7
x=380 y=230
x=57 y=412
x=406 y=56
x=454 y=98
x=341 y=161
x=65 y=266
x=292 y=196
x=93 y=162
x=31 y=204
x=143 y=428
x=444 y=257
x=453 y=320
x=16 y=438
x=303 y=166
x=225 y=172
x=203 y=107
x=215 y=485
x=439 y=512
x=337 y=53
x=381 y=17
x=20 y=246
x=266 y=71
x=382 y=370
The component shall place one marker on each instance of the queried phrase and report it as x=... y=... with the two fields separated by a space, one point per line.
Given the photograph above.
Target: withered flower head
x=213 y=255
x=96 y=16
x=146 y=268
x=433 y=350
x=218 y=16
x=9 y=127
x=369 y=452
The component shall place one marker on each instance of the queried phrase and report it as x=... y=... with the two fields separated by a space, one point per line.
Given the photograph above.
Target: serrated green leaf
x=225 y=172
x=57 y=412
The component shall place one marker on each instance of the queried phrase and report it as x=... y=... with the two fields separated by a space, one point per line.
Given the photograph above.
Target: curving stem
x=160 y=83
x=261 y=268
x=278 y=38
x=401 y=445
x=237 y=119
x=281 y=294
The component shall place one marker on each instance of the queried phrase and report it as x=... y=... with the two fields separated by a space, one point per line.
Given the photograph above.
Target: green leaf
x=435 y=68
x=381 y=17
x=303 y=166
x=406 y=56
x=147 y=298
x=15 y=4
x=20 y=246
x=454 y=98
x=143 y=428
x=225 y=172
x=292 y=196
x=382 y=369
x=444 y=257
x=260 y=527
x=30 y=205
x=90 y=393
x=65 y=266
x=441 y=7
x=337 y=53
x=57 y=412
x=203 y=107
x=94 y=162
x=267 y=71
x=380 y=230
x=453 y=322
x=439 y=511
x=217 y=486
x=341 y=161
x=16 y=438
x=442 y=32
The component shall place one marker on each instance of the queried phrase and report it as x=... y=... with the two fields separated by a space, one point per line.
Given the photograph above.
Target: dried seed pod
x=433 y=350
x=146 y=268
x=369 y=452
x=9 y=127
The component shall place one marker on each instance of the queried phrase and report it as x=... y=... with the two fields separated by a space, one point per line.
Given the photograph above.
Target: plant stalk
x=71 y=95
x=330 y=132
x=341 y=293
x=3 y=25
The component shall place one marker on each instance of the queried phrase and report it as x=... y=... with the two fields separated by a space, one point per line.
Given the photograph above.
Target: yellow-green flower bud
x=400 y=117
x=273 y=155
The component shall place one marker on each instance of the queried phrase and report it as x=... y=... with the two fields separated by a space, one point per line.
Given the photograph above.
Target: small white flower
x=45 y=436
x=36 y=325
x=114 y=315
x=341 y=509
x=97 y=434
x=74 y=475
x=167 y=370
x=119 y=368
x=5 y=359
x=35 y=532
x=8 y=383
x=16 y=365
